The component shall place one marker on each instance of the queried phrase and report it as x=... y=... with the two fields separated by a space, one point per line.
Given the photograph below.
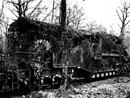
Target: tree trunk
x=20 y=9
x=63 y=45
x=121 y=51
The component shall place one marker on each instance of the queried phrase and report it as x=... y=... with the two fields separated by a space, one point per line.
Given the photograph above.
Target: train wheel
x=56 y=81
x=47 y=81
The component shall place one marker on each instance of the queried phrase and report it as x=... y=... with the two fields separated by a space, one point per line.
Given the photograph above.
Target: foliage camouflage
x=24 y=32
x=94 y=46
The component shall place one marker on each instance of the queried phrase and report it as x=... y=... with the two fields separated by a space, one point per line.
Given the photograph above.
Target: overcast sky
x=101 y=11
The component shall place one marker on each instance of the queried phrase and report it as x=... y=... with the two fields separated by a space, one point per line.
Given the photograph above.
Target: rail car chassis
x=47 y=78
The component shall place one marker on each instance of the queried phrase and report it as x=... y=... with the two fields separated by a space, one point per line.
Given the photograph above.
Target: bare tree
x=101 y=28
x=1 y=15
x=75 y=16
x=123 y=13
x=63 y=45
x=91 y=26
x=3 y=25
x=53 y=14
x=23 y=8
x=65 y=51
x=112 y=29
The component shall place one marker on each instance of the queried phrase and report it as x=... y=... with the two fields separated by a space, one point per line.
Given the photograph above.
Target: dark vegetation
x=32 y=31
x=24 y=33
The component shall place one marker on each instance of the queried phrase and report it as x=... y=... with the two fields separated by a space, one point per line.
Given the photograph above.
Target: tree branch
x=127 y=22
x=1 y=13
x=118 y=15
x=124 y=16
x=49 y=13
x=13 y=3
x=29 y=15
x=12 y=11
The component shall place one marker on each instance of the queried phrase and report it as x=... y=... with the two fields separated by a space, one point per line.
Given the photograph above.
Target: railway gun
x=91 y=56
x=34 y=70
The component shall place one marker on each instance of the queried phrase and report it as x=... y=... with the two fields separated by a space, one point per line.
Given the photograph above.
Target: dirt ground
x=110 y=88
